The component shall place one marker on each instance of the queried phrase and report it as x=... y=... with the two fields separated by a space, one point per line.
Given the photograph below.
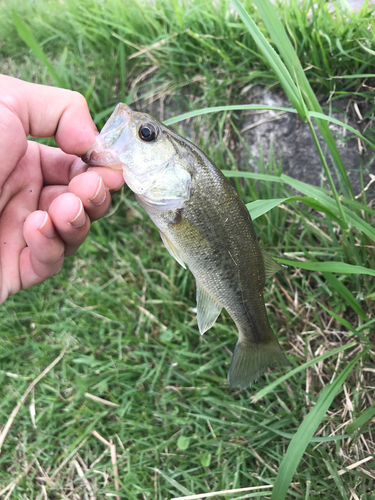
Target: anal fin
x=208 y=309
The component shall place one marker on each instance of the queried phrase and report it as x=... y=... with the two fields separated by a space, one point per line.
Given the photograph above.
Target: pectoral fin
x=172 y=249
x=207 y=310
x=270 y=266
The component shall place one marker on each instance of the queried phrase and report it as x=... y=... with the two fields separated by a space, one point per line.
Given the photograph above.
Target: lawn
x=136 y=404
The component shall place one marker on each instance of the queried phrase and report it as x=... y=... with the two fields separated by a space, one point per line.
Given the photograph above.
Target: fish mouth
x=111 y=141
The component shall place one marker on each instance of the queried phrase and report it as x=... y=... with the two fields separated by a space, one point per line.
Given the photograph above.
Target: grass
x=135 y=372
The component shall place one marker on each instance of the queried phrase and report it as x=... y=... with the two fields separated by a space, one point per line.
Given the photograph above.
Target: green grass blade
x=319 y=194
x=343 y=291
x=246 y=107
x=175 y=483
x=103 y=114
x=322 y=197
x=330 y=119
x=217 y=109
x=359 y=206
x=372 y=52
x=332 y=468
x=288 y=54
x=27 y=36
x=354 y=77
x=302 y=368
x=361 y=420
x=328 y=174
x=343 y=321
x=273 y=60
x=366 y=326
x=306 y=431
x=260 y=207
x=252 y=175
x=333 y=267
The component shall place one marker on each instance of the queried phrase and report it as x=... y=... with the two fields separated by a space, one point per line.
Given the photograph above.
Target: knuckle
x=78 y=98
x=57 y=269
x=9 y=100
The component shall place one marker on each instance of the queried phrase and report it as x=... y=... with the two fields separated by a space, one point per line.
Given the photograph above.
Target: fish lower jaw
x=104 y=159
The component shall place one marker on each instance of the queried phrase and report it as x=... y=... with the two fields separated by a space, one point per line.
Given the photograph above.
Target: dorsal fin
x=270 y=266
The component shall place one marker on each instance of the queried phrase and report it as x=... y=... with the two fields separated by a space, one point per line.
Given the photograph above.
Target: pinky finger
x=44 y=255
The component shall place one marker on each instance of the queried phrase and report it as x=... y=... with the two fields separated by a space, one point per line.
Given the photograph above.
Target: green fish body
x=204 y=224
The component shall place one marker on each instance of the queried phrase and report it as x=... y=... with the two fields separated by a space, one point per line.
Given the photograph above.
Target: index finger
x=48 y=111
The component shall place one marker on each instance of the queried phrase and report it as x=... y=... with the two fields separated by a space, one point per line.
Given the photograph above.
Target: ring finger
x=70 y=220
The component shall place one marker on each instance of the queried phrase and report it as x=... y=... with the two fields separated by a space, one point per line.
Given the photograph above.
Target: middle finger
x=95 y=195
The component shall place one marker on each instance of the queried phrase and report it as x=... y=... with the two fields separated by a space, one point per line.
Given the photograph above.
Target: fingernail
x=80 y=218
x=46 y=228
x=100 y=195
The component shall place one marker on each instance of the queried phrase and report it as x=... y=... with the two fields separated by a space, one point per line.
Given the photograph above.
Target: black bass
x=204 y=224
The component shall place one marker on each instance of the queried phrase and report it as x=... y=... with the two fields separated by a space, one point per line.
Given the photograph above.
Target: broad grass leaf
x=313 y=192
x=322 y=196
x=260 y=207
x=218 y=109
x=359 y=206
x=322 y=116
x=345 y=294
x=252 y=175
x=273 y=60
x=332 y=267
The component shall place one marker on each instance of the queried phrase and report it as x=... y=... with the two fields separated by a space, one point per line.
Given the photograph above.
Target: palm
x=47 y=197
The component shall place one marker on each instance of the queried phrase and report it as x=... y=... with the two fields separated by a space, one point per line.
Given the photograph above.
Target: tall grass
x=136 y=371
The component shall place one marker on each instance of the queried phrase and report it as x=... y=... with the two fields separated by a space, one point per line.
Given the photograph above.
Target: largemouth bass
x=204 y=224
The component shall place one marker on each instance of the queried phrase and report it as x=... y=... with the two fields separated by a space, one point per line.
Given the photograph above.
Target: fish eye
x=148 y=132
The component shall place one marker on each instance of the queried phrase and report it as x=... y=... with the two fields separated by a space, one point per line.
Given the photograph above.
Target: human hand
x=48 y=196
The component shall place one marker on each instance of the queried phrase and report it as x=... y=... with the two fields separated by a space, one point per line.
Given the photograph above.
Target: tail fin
x=250 y=360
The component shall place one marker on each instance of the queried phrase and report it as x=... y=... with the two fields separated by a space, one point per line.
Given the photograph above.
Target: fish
x=204 y=225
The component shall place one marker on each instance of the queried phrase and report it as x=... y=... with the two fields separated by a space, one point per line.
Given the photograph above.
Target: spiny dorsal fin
x=172 y=249
x=270 y=266
x=207 y=310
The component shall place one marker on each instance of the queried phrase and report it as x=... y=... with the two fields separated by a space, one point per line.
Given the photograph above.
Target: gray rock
x=293 y=145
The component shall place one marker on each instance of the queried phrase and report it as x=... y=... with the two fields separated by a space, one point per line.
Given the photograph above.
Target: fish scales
x=228 y=263
x=203 y=223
